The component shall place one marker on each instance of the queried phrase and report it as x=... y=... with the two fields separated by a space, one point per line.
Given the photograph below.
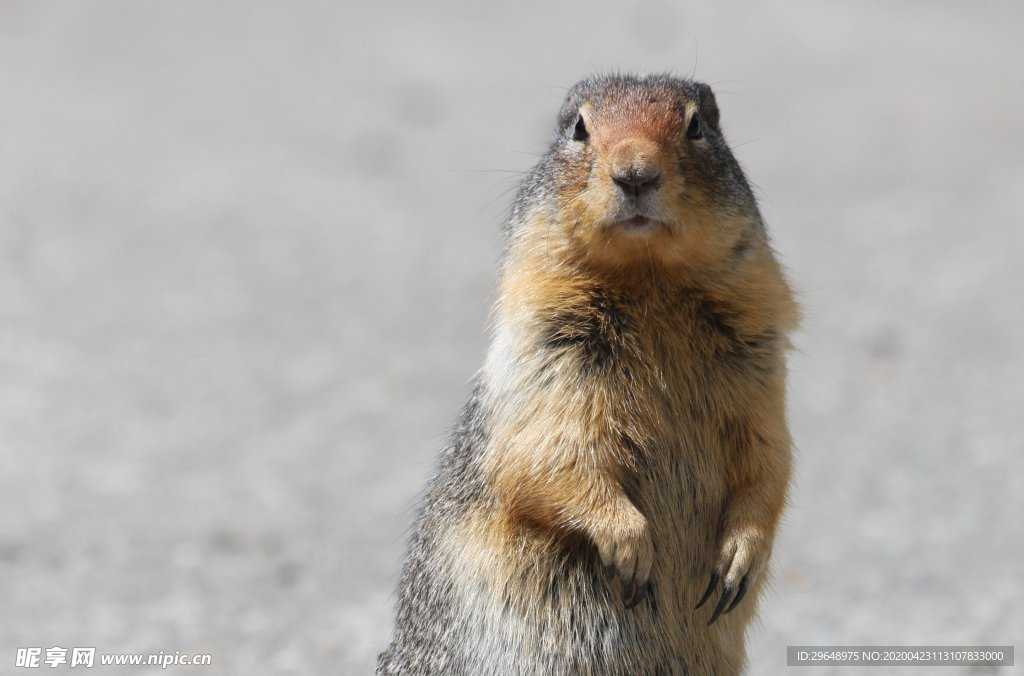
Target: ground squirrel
x=609 y=498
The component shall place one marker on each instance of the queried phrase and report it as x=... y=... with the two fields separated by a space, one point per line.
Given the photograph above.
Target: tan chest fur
x=651 y=380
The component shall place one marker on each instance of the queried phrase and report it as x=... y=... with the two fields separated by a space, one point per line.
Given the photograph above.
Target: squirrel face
x=642 y=173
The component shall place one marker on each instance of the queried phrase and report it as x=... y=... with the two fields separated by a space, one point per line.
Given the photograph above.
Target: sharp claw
x=740 y=593
x=640 y=592
x=722 y=603
x=715 y=577
x=627 y=592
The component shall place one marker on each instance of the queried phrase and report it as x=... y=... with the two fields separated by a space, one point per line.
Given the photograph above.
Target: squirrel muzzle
x=634 y=167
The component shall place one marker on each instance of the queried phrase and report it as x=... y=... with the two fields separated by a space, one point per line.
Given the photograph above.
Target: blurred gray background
x=248 y=250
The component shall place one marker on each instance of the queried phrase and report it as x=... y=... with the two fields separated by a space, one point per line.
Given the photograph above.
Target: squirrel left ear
x=707 y=104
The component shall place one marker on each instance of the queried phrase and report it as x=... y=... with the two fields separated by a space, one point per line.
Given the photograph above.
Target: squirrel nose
x=634 y=181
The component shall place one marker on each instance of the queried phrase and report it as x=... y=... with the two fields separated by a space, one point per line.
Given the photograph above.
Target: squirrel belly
x=609 y=498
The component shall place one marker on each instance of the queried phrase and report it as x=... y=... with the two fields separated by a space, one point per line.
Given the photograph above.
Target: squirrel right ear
x=707 y=104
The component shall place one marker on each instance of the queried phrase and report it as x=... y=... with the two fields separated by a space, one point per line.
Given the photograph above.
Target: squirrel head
x=638 y=171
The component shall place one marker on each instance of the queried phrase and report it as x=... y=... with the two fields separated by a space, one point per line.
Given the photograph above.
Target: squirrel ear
x=707 y=104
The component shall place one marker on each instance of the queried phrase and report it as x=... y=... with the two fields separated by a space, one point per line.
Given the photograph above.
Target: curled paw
x=737 y=569
x=627 y=552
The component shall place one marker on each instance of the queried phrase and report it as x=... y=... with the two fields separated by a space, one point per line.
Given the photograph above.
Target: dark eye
x=579 y=132
x=695 y=130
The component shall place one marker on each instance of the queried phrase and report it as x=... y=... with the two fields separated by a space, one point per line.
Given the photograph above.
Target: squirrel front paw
x=743 y=556
x=627 y=551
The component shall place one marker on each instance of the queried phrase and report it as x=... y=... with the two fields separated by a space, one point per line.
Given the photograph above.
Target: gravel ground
x=248 y=251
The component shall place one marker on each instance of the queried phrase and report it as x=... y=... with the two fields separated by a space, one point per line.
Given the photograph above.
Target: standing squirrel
x=609 y=498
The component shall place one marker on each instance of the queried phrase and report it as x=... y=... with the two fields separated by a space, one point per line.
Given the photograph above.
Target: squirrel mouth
x=637 y=225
